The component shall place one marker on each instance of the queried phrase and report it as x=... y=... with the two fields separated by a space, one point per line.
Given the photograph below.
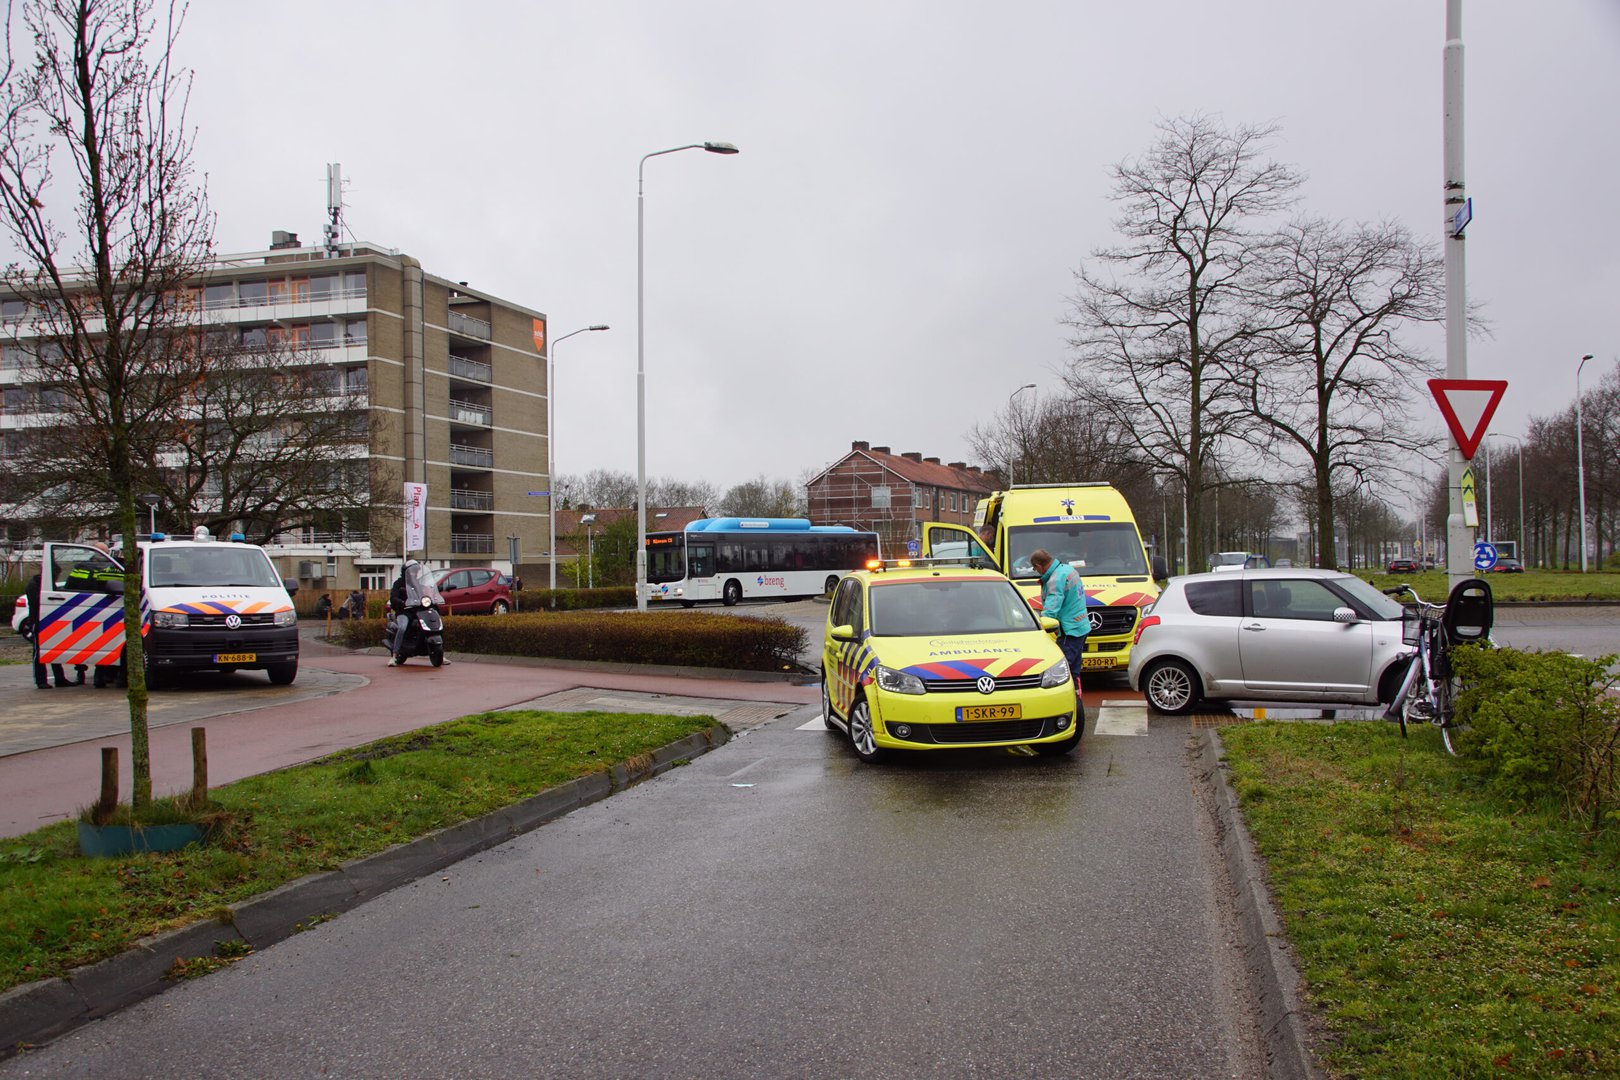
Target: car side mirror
x=290 y=584
x=1345 y=615
x=1049 y=624
x=1160 y=569
x=842 y=633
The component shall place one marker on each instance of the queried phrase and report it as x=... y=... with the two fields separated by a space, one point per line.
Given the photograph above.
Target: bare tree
x=761 y=497
x=1162 y=324
x=1331 y=382
x=107 y=246
x=609 y=488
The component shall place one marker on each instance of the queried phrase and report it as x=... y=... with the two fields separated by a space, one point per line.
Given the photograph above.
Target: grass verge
x=1440 y=932
x=59 y=910
x=1530 y=585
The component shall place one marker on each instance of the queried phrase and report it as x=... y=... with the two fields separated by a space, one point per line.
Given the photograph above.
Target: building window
x=325 y=287
x=953 y=501
x=354 y=332
x=253 y=292
x=355 y=379
x=354 y=283
x=13 y=309
x=217 y=296
x=880 y=496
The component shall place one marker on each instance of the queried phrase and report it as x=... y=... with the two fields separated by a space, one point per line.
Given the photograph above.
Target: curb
x=1283 y=1012
x=38 y=1011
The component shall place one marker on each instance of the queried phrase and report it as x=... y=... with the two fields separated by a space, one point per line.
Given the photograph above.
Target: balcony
x=472 y=370
x=467 y=326
x=470 y=413
x=472 y=456
x=468 y=499
x=472 y=543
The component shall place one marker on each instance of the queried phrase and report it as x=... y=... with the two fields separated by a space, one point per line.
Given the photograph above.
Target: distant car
x=1403 y=566
x=1508 y=566
x=936 y=657
x=1295 y=634
x=1280 y=563
x=475 y=591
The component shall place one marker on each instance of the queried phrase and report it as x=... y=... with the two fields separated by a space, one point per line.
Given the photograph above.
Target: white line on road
x=816 y=724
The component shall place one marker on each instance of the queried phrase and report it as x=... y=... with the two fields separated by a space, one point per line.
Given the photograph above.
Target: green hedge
x=1543 y=725
x=684 y=639
x=574 y=599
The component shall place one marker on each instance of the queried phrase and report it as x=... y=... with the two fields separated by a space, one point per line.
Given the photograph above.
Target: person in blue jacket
x=1063 y=597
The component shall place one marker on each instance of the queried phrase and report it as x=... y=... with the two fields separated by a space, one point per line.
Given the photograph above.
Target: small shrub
x=574 y=599
x=1544 y=725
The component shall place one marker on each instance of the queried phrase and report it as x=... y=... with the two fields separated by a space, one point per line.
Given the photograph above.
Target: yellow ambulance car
x=1089 y=526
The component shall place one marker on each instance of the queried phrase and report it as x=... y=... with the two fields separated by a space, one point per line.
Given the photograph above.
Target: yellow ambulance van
x=1089 y=526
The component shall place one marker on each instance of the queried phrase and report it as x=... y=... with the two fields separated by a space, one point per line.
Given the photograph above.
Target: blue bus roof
x=765 y=525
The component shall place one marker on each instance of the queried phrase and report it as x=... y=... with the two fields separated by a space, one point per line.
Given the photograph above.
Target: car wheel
x=732 y=594
x=1171 y=687
x=283 y=674
x=687 y=603
x=1055 y=749
x=827 y=708
x=499 y=607
x=828 y=586
x=861 y=733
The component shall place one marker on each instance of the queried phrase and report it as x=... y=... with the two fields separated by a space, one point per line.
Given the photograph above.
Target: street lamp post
x=1580 y=459
x=641 y=366
x=587 y=520
x=151 y=502
x=1010 y=397
x=551 y=447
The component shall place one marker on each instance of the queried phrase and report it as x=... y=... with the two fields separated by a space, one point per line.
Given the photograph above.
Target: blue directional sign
x=912 y=547
x=1484 y=555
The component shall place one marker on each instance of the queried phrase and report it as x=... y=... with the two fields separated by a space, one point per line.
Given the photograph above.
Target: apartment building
x=453 y=380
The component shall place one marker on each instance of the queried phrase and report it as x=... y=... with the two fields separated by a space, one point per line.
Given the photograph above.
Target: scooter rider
x=397 y=598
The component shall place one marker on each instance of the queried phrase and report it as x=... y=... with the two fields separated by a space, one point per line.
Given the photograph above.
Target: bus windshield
x=666 y=557
x=1092 y=547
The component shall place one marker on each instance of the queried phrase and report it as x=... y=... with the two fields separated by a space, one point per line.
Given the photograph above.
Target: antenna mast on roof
x=334 y=208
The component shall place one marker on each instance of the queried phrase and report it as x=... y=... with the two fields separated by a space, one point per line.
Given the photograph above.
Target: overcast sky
x=889 y=256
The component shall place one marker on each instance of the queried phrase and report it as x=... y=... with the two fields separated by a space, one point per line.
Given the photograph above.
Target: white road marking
x=1122 y=718
x=817 y=724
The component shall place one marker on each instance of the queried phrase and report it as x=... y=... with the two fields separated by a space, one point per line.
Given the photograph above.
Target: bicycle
x=1428 y=691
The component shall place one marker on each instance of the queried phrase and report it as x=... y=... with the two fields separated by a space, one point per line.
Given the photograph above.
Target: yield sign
x=1467 y=405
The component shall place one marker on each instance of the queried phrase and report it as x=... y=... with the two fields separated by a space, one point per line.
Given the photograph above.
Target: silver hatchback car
x=1293 y=634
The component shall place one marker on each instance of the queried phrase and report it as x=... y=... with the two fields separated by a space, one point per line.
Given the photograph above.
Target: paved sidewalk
x=50 y=740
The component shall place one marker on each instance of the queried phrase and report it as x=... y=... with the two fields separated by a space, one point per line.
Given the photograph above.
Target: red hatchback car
x=476 y=591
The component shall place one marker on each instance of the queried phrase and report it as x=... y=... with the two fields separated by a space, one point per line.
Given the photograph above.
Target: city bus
x=727 y=559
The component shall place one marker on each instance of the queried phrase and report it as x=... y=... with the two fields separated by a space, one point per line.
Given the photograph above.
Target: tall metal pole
x=1010 y=397
x=641 y=366
x=1580 y=459
x=1459 y=541
x=1490 y=526
x=551 y=447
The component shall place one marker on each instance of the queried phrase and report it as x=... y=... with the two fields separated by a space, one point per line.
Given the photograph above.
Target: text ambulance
x=1089 y=526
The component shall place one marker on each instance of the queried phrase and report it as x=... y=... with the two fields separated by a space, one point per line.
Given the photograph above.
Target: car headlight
x=170 y=620
x=287 y=618
x=1056 y=675
x=898 y=682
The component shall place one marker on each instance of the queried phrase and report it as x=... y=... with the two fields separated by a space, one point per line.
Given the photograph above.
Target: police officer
x=41 y=678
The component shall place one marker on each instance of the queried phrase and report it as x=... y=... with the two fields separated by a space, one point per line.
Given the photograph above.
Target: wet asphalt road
x=776 y=909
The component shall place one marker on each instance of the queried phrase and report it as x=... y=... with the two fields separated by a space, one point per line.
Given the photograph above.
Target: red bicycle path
x=38 y=787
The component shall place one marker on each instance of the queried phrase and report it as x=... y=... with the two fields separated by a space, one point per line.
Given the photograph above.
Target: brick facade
x=892 y=494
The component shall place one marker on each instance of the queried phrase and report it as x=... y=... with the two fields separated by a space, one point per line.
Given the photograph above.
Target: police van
x=208 y=605
x=1090 y=526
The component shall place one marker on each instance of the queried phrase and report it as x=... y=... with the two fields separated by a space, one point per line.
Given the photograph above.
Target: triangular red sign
x=1468 y=405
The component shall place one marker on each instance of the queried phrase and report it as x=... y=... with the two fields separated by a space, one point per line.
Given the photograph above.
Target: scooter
x=424 y=624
